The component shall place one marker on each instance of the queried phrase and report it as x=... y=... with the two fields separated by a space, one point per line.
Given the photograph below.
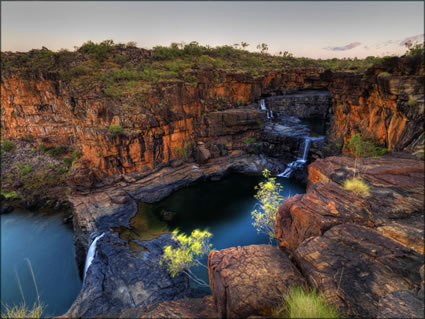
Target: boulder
x=250 y=280
x=401 y=304
x=182 y=308
x=119 y=278
x=394 y=207
x=356 y=266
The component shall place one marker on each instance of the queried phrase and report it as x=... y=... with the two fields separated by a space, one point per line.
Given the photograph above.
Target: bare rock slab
x=250 y=280
x=401 y=304
x=355 y=266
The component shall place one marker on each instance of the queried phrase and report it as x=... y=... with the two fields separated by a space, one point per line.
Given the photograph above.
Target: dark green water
x=223 y=207
x=48 y=244
x=317 y=126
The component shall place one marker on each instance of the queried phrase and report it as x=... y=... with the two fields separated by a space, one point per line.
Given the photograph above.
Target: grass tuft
x=300 y=303
x=357 y=186
x=22 y=311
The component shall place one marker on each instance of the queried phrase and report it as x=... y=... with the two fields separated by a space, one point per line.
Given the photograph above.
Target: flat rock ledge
x=359 y=250
x=250 y=280
x=401 y=304
x=356 y=266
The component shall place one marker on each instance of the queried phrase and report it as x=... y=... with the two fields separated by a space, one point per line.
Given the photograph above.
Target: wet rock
x=118 y=279
x=6 y=209
x=67 y=219
x=304 y=104
x=355 y=266
x=168 y=216
x=401 y=304
x=250 y=280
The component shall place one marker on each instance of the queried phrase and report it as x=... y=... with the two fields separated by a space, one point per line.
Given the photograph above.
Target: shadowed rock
x=355 y=266
x=250 y=280
x=394 y=207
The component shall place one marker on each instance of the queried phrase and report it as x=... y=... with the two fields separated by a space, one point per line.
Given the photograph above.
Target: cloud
x=350 y=46
x=413 y=39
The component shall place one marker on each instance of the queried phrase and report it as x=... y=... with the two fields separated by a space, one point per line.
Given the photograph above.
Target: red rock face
x=173 y=117
x=388 y=109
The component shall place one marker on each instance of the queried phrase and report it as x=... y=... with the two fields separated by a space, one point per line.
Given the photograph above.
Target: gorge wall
x=176 y=120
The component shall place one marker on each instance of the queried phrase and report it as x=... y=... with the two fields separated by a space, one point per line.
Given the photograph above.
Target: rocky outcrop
x=119 y=278
x=386 y=104
x=250 y=280
x=356 y=249
x=303 y=104
x=163 y=125
x=184 y=308
x=355 y=266
x=401 y=304
x=394 y=207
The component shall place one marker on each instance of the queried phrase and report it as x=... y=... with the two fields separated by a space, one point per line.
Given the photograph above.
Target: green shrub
x=357 y=186
x=300 y=303
x=115 y=129
x=412 y=102
x=250 y=140
x=189 y=78
x=11 y=195
x=56 y=151
x=27 y=168
x=98 y=51
x=240 y=102
x=76 y=155
x=268 y=195
x=7 y=146
x=67 y=161
x=188 y=253
x=363 y=148
x=43 y=148
x=28 y=138
x=183 y=152
x=384 y=75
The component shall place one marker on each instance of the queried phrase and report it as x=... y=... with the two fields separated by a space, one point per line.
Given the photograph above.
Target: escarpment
x=141 y=131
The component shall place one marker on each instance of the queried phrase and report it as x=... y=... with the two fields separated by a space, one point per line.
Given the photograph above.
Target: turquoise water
x=223 y=207
x=48 y=244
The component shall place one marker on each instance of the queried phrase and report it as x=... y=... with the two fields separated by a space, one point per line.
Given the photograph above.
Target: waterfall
x=262 y=105
x=300 y=162
x=90 y=254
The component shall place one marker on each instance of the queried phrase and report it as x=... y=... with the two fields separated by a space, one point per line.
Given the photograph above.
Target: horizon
x=315 y=30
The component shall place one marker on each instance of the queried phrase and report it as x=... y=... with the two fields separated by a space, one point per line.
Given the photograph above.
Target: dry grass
x=22 y=311
x=300 y=303
x=357 y=186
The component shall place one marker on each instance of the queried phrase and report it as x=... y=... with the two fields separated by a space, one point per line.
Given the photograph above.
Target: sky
x=310 y=29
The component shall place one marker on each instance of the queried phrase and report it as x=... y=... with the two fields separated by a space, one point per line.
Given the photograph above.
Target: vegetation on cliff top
x=121 y=69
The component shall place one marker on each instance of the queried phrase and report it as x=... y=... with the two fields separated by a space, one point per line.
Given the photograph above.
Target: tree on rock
x=268 y=195
x=188 y=254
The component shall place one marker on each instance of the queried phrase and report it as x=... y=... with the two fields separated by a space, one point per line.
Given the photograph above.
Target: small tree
x=268 y=195
x=188 y=254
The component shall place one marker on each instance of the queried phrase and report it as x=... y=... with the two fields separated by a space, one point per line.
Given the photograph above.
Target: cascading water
x=300 y=162
x=90 y=254
x=263 y=107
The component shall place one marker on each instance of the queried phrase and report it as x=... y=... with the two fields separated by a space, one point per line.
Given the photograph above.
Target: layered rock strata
x=357 y=249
